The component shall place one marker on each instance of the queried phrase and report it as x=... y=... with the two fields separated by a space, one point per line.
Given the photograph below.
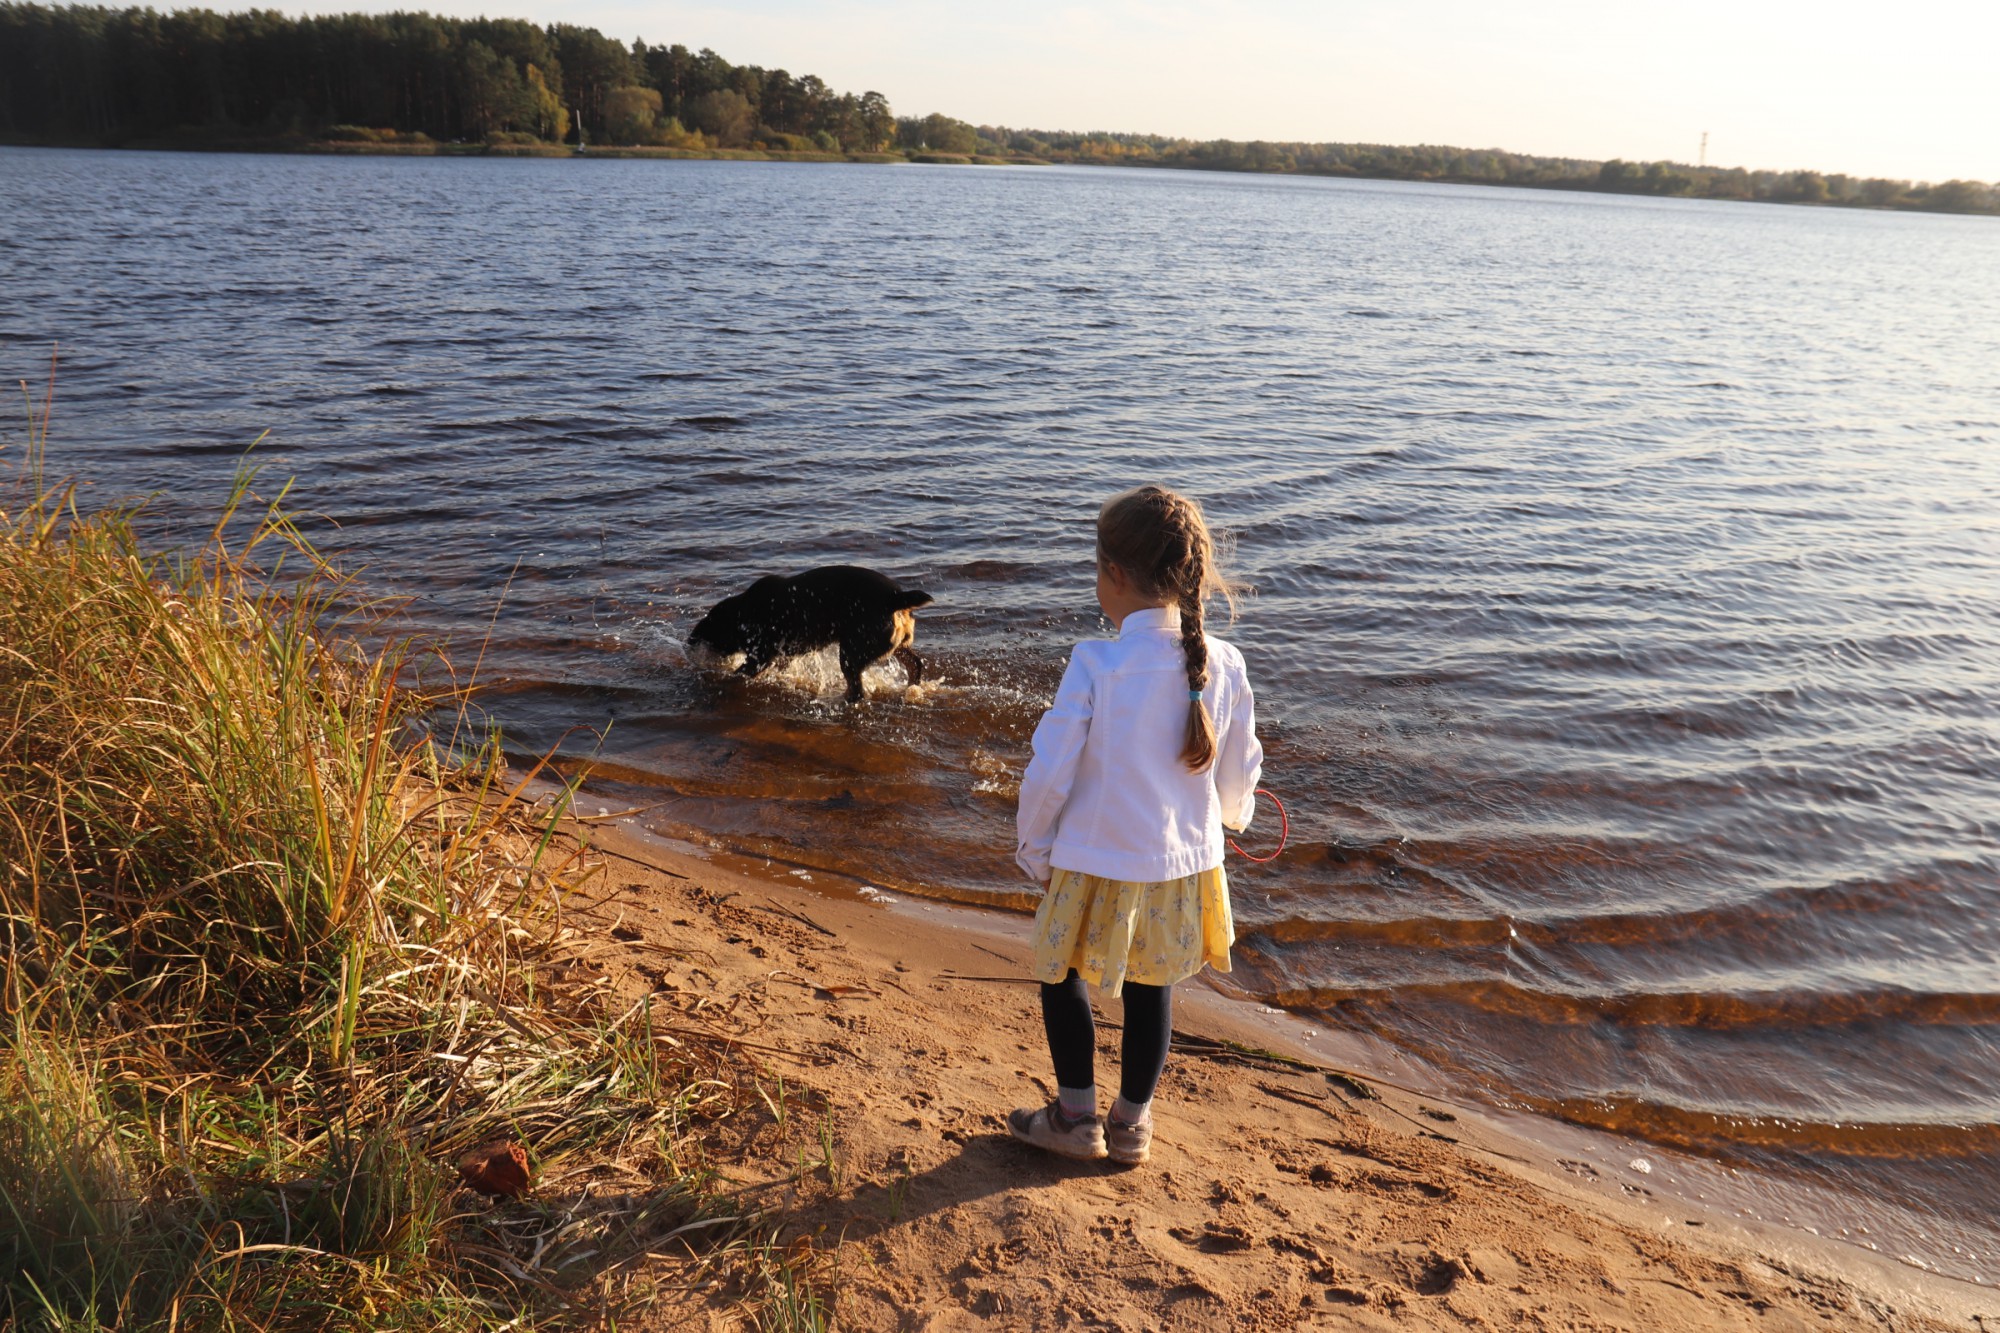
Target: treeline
x=85 y=73
x=1490 y=166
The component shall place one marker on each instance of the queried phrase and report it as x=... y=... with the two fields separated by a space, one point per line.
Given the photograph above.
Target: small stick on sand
x=799 y=917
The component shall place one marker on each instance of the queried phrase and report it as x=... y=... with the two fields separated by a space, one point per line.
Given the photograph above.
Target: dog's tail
x=909 y=599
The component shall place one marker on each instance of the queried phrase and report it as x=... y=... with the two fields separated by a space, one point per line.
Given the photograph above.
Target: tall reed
x=274 y=958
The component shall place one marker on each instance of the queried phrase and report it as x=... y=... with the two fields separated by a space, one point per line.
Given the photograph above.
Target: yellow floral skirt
x=1113 y=931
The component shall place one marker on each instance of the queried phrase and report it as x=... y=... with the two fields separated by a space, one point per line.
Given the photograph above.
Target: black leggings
x=1149 y=1026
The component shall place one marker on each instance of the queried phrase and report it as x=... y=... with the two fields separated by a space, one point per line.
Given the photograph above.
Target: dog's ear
x=910 y=599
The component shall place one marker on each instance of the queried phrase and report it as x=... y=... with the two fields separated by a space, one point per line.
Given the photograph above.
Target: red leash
x=1284 y=830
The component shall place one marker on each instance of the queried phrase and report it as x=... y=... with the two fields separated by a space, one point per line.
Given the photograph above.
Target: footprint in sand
x=1214 y=1238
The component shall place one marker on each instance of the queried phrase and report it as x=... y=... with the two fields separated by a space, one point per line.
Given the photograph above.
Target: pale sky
x=1907 y=90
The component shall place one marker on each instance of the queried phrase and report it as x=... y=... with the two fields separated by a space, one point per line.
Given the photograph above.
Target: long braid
x=1198 y=750
x=1189 y=578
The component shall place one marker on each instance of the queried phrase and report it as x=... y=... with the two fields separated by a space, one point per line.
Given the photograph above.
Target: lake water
x=1627 y=613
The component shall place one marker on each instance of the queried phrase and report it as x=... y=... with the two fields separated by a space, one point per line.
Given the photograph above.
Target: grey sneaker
x=1126 y=1144
x=1050 y=1130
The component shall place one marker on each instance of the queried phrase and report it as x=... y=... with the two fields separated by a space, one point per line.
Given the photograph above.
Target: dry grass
x=276 y=956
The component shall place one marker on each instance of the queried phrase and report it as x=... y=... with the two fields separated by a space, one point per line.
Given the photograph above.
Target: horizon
x=1773 y=86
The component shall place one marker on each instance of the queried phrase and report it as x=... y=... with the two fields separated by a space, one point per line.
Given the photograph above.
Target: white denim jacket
x=1106 y=792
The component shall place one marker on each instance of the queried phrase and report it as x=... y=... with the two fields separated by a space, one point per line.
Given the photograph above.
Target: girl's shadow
x=986 y=1164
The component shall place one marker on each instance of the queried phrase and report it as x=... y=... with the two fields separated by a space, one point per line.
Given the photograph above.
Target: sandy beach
x=1282 y=1191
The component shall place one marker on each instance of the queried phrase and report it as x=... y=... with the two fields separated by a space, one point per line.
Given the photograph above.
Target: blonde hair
x=1158 y=538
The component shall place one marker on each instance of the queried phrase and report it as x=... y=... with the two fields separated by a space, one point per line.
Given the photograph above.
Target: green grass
x=280 y=945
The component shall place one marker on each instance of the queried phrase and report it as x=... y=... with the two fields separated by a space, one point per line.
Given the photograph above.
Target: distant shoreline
x=303 y=147
x=421 y=84
x=298 y=147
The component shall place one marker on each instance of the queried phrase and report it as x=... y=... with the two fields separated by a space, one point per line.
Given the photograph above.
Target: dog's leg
x=857 y=654
x=913 y=664
x=852 y=663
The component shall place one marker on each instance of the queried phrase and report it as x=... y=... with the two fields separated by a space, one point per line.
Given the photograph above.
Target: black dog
x=864 y=612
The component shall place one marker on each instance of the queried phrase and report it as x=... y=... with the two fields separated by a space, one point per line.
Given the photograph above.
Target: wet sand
x=1279 y=1195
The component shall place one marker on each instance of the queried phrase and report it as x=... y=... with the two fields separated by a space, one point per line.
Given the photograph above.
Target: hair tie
x=1194 y=694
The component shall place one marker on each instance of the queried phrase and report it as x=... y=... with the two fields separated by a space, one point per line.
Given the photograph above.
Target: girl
x=1149 y=748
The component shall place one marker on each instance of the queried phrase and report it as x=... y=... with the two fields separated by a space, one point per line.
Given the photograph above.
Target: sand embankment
x=1276 y=1198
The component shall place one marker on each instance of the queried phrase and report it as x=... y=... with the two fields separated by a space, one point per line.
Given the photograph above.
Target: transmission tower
x=1704 y=147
